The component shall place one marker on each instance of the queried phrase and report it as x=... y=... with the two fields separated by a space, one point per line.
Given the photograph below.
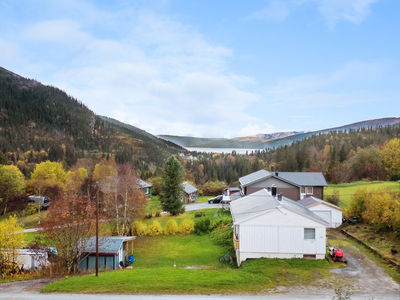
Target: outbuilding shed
x=112 y=251
x=325 y=210
x=190 y=193
x=276 y=227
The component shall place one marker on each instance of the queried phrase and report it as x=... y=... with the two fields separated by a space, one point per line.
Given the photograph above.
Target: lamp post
x=97 y=229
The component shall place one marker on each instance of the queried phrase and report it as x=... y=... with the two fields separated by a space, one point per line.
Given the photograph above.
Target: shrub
x=334 y=198
x=156 y=212
x=223 y=236
x=31 y=209
x=139 y=228
x=187 y=226
x=221 y=221
x=202 y=226
x=148 y=215
x=154 y=229
x=199 y=213
x=171 y=227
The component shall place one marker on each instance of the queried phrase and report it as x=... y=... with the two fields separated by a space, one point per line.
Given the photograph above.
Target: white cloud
x=353 y=11
x=333 y=11
x=276 y=11
x=9 y=52
x=256 y=129
x=341 y=87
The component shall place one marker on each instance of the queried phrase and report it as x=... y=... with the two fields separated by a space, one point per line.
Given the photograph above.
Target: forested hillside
x=39 y=122
x=342 y=156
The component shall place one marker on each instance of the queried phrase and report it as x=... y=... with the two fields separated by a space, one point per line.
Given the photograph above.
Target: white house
x=327 y=211
x=276 y=227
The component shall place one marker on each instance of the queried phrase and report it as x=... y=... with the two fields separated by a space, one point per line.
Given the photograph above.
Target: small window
x=309 y=189
x=309 y=233
x=303 y=190
x=309 y=256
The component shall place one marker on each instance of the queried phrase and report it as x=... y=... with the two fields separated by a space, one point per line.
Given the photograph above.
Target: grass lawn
x=197 y=271
x=346 y=190
x=30 y=221
x=163 y=219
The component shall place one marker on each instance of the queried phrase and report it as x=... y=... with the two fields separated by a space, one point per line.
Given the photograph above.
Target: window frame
x=307 y=238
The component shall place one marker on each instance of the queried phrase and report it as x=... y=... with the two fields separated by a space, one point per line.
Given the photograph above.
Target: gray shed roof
x=307 y=202
x=189 y=189
x=107 y=244
x=245 y=180
x=297 y=178
x=143 y=184
x=261 y=202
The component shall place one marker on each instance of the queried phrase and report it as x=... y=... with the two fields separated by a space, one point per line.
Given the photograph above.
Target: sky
x=206 y=68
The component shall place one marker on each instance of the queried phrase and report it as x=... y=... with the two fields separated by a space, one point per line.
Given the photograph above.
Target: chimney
x=272 y=168
x=273 y=189
x=279 y=197
x=276 y=173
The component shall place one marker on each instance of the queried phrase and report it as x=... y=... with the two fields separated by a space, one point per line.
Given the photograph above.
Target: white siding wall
x=280 y=234
x=336 y=213
x=281 y=240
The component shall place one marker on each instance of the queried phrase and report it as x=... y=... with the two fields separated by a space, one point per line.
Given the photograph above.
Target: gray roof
x=261 y=202
x=307 y=202
x=245 y=180
x=296 y=178
x=107 y=244
x=304 y=178
x=189 y=189
x=143 y=184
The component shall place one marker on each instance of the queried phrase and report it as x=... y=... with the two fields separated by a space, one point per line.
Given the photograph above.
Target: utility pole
x=97 y=230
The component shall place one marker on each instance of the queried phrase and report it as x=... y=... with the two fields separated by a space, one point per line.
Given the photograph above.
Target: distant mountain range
x=263 y=141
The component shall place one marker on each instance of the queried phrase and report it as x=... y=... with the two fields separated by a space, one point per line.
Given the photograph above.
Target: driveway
x=204 y=205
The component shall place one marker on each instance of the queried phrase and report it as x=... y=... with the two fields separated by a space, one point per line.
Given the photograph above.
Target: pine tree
x=172 y=189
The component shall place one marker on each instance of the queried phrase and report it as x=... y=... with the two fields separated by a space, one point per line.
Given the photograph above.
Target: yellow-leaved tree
x=11 y=239
x=75 y=179
x=11 y=183
x=391 y=158
x=46 y=174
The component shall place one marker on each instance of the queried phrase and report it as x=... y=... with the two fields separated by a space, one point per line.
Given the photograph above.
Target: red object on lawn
x=338 y=254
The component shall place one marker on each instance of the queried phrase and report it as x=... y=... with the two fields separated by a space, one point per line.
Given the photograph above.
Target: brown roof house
x=293 y=185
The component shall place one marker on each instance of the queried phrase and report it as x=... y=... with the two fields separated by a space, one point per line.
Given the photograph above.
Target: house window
x=306 y=189
x=309 y=233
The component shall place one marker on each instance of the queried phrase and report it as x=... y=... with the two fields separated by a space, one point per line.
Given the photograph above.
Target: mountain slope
x=262 y=141
x=35 y=117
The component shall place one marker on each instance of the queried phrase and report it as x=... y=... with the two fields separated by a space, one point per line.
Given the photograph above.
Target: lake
x=221 y=150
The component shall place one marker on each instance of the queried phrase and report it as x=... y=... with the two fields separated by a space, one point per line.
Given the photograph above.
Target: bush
x=155 y=229
x=223 y=236
x=31 y=209
x=139 y=228
x=171 y=227
x=334 y=198
x=148 y=215
x=199 y=213
x=156 y=212
x=221 y=221
x=187 y=226
x=202 y=226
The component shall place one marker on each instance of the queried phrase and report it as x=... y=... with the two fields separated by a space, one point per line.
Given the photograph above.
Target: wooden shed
x=112 y=251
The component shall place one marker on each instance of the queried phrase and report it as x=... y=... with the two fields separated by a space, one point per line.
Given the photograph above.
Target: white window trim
x=306 y=239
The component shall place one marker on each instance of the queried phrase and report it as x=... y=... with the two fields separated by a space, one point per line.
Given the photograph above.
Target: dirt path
x=362 y=275
x=30 y=286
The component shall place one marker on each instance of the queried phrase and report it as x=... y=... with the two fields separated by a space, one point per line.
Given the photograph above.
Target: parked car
x=217 y=199
x=43 y=201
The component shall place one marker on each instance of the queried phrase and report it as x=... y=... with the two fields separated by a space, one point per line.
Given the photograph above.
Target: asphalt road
x=203 y=205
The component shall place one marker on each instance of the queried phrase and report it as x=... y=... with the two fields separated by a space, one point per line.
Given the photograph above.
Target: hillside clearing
x=346 y=190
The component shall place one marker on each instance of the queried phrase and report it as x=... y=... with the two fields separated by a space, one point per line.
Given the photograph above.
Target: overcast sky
x=217 y=68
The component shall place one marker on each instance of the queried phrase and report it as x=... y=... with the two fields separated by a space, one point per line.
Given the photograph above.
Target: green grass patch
x=346 y=190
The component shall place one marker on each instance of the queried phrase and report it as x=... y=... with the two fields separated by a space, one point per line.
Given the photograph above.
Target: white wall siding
x=281 y=240
x=336 y=213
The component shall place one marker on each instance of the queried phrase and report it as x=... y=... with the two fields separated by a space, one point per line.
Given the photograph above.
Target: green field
x=197 y=271
x=346 y=190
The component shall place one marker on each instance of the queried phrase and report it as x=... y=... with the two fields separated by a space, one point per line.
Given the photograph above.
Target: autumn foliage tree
x=391 y=158
x=68 y=222
x=11 y=183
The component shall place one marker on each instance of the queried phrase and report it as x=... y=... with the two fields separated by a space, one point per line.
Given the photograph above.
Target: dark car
x=217 y=199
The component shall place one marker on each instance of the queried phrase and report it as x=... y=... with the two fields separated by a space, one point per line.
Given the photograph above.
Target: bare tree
x=125 y=200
